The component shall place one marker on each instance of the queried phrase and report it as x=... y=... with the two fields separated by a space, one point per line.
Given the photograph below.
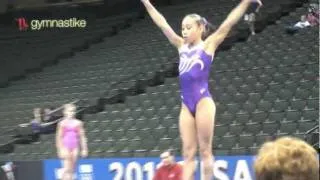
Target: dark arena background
x=111 y=61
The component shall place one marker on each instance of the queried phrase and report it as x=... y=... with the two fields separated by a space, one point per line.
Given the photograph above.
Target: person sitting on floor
x=303 y=23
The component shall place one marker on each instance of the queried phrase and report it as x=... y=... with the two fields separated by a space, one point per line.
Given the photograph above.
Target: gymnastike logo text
x=39 y=24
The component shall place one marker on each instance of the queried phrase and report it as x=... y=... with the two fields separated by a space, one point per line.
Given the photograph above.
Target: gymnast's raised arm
x=162 y=23
x=215 y=39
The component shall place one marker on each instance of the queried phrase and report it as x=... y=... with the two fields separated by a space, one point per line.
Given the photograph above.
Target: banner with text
x=226 y=168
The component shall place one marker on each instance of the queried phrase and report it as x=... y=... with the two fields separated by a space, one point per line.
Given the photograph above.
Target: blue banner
x=225 y=168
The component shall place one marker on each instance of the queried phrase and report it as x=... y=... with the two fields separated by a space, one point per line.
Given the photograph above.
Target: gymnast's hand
x=259 y=2
x=255 y=1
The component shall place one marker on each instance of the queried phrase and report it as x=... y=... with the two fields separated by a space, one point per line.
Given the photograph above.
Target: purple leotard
x=70 y=134
x=194 y=70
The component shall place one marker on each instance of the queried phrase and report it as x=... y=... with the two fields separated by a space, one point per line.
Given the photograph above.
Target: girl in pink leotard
x=69 y=137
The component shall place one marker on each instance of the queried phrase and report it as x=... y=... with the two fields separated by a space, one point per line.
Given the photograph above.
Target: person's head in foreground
x=167 y=158
x=287 y=158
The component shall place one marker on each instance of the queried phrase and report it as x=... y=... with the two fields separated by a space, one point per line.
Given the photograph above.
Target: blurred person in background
x=303 y=23
x=70 y=139
x=8 y=169
x=38 y=123
x=169 y=169
x=287 y=158
x=35 y=123
x=250 y=16
x=51 y=114
x=47 y=114
x=313 y=15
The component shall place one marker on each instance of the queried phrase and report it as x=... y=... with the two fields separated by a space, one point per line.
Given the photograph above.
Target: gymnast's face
x=69 y=112
x=191 y=30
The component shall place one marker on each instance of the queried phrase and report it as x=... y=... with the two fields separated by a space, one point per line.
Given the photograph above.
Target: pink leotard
x=70 y=134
